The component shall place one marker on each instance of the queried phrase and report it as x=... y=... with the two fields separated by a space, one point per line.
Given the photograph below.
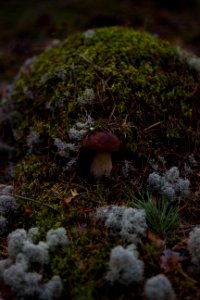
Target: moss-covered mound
x=128 y=82
x=111 y=79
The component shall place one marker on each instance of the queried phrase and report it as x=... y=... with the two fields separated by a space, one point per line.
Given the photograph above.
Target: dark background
x=28 y=27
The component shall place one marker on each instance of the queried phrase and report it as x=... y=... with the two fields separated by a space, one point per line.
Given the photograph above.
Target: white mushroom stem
x=101 y=165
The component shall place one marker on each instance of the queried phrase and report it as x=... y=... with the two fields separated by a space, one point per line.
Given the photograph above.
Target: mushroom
x=104 y=143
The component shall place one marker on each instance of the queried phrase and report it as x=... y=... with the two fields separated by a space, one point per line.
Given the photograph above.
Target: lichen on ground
x=116 y=79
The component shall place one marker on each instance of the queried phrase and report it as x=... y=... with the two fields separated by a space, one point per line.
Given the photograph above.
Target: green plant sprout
x=161 y=216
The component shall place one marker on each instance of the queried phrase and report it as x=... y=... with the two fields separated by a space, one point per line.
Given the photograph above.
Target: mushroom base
x=101 y=165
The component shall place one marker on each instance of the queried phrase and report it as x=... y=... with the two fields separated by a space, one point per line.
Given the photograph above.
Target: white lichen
x=192 y=160
x=89 y=33
x=32 y=140
x=61 y=73
x=8 y=204
x=170 y=184
x=80 y=129
x=28 y=64
x=127 y=222
x=124 y=267
x=5 y=189
x=29 y=94
x=64 y=148
x=193 y=246
x=16 y=241
x=52 y=43
x=192 y=60
x=25 y=254
x=19 y=280
x=52 y=289
x=36 y=253
x=33 y=235
x=127 y=169
x=87 y=96
x=57 y=238
x=159 y=288
x=75 y=134
x=70 y=165
x=3 y=225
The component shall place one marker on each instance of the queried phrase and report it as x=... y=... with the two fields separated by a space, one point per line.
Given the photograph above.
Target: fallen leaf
x=156 y=239
x=28 y=210
x=170 y=260
x=67 y=200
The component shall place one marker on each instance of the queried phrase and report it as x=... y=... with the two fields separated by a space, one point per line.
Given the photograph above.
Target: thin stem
x=89 y=62
x=30 y=199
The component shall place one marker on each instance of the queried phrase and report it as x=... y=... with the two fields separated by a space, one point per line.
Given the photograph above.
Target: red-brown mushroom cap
x=102 y=141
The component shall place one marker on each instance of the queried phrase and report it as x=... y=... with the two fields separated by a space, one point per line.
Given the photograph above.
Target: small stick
x=99 y=69
x=112 y=113
x=153 y=125
x=30 y=199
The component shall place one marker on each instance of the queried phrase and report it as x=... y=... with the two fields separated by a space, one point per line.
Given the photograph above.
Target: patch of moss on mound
x=114 y=79
x=142 y=91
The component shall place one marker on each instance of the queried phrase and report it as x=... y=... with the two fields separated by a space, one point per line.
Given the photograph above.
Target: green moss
x=144 y=92
x=87 y=257
x=139 y=75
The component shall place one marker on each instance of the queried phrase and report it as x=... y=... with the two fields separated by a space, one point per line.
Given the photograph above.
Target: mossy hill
x=143 y=91
x=114 y=79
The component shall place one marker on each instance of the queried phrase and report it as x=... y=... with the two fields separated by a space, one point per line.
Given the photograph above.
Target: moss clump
x=135 y=81
x=114 y=79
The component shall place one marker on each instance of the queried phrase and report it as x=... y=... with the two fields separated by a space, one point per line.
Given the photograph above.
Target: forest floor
x=28 y=29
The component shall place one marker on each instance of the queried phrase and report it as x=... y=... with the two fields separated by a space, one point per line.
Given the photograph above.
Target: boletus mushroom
x=103 y=143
